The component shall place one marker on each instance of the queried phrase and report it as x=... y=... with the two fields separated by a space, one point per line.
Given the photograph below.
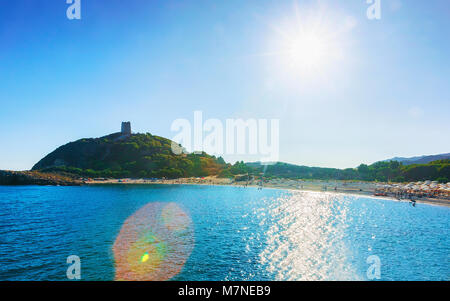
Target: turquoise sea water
x=234 y=233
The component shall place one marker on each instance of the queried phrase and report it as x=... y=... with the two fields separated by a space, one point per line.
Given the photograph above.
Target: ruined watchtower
x=126 y=128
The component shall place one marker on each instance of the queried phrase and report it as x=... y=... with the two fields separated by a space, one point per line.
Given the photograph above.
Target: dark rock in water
x=36 y=178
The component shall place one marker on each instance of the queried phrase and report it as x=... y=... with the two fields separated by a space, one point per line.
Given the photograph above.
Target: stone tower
x=126 y=128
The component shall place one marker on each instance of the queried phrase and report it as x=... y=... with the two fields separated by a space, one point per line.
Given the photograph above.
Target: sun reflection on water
x=306 y=238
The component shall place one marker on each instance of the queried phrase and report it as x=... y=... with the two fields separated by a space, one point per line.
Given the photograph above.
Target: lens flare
x=154 y=243
x=144 y=257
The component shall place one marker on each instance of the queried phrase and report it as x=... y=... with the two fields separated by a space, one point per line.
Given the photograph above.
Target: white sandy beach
x=347 y=187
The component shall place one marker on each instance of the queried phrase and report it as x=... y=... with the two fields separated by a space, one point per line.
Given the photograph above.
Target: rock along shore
x=36 y=178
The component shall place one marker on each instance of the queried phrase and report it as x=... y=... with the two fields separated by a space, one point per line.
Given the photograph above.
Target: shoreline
x=354 y=189
x=23 y=178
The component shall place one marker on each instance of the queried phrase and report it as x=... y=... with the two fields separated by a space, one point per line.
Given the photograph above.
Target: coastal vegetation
x=391 y=171
x=150 y=156
x=139 y=155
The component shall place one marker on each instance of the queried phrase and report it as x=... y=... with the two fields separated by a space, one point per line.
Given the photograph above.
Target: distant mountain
x=420 y=159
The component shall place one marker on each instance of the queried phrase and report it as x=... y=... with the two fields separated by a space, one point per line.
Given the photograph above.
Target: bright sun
x=306 y=51
x=308 y=45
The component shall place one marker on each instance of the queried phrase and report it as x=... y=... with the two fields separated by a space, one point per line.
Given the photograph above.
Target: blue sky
x=381 y=89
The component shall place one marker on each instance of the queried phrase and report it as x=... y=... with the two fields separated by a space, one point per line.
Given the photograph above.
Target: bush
x=442 y=180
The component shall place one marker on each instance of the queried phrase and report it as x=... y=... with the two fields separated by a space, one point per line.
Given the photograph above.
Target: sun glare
x=309 y=43
x=306 y=51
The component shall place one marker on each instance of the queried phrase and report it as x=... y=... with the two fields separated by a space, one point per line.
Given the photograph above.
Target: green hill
x=138 y=155
x=150 y=156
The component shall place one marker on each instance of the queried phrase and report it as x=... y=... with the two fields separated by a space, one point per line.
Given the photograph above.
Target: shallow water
x=237 y=233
